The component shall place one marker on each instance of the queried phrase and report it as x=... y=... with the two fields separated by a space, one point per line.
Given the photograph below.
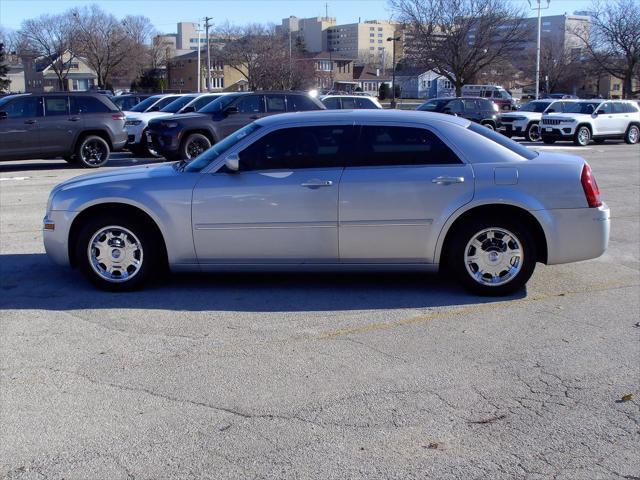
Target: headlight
x=168 y=124
x=132 y=122
x=517 y=119
x=496 y=108
x=567 y=120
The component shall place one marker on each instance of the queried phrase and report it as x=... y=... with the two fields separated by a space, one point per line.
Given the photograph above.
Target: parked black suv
x=186 y=136
x=82 y=128
x=476 y=109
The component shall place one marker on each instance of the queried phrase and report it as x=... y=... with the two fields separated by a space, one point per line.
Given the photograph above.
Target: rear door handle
x=74 y=119
x=30 y=122
x=447 y=180
x=317 y=183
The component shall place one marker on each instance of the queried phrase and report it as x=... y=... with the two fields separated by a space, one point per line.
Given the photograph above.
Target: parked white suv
x=525 y=121
x=593 y=119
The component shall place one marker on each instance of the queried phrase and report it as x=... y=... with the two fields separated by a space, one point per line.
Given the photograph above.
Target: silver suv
x=599 y=120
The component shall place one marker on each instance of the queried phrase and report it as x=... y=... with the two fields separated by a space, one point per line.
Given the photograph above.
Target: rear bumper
x=575 y=234
x=119 y=140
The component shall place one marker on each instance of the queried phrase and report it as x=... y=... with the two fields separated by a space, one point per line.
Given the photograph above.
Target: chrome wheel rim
x=489 y=126
x=493 y=257
x=583 y=136
x=634 y=134
x=534 y=133
x=115 y=254
x=196 y=147
x=93 y=152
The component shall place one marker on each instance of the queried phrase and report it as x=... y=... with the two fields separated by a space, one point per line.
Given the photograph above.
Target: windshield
x=219 y=148
x=538 y=107
x=218 y=104
x=502 y=140
x=433 y=105
x=143 y=105
x=582 y=107
x=176 y=105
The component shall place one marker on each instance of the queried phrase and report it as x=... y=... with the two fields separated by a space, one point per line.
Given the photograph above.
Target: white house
x=431 y=85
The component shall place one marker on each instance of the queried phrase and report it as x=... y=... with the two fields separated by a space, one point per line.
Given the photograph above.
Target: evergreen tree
x=4 y=71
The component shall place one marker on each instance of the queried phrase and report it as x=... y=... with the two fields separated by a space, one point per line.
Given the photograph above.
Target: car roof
x=338 y=95
x=329 y=116
x=466 y=97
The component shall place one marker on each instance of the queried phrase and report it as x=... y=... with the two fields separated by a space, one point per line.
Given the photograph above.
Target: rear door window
x=349 y=103
x=298 y=148
x=618 y=107
x=381 y=145
x=84 y=105
x=364 y=103
x=470 y=106
x=56 y=106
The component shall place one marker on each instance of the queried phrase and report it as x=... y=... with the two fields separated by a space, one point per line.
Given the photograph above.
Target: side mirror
x=4 y=115
x=550 y=110
x=232 y=162
x=189 y=109
x=230 y=110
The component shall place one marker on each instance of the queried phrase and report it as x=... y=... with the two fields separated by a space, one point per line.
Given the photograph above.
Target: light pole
x=539 y=8
x=393 y=74
x=206 y=26
x=199 y=48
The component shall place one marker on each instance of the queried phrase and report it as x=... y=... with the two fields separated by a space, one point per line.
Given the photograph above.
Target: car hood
x=125 y=174
x=149 y=115
x=521 y=114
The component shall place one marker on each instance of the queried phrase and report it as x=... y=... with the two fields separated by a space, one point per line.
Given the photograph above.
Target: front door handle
x=30 y=122
x=447 y=180
x=317 y=183
x=74 y=119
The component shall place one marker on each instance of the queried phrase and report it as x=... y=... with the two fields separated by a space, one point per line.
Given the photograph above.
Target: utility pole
x=206 y=27
x=199 y=69
x=539 y=8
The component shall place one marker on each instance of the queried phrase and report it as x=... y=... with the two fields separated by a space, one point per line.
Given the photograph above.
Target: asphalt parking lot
x=319 y=375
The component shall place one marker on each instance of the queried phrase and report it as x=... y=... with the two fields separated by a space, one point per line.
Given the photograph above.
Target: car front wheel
x=92 y=152
x=533 y=133
x=582 y=136
x=493 y=257
x=194 y=145
x=116 y=254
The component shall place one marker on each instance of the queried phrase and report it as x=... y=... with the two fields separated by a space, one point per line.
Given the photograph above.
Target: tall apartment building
x=366 y=41
x=562 y=31
x=311 y=31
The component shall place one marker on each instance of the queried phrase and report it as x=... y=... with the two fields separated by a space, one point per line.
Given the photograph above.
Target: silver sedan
x=335 y=190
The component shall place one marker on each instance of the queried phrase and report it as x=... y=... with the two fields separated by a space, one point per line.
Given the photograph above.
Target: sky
x=164 y=14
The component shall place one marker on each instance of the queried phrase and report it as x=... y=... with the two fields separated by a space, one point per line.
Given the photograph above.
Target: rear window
x=87 y=105
x=503 y=141
x=297 y=103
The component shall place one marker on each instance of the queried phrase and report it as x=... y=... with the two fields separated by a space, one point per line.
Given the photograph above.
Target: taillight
x=591 y=190
x=118 y=116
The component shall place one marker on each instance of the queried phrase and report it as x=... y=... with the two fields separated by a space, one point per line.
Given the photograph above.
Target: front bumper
x=557 y=132
x=575 y=234
x=165 y=141
x=56 y=240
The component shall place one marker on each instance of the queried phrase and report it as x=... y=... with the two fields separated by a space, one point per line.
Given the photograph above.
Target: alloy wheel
x=493 y=256
x=115 y=254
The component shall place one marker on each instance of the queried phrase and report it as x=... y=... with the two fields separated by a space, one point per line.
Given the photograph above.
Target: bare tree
x=459 y=38
x=613 y=41
x=560 y=66
x=51 y=37
x=109 y=45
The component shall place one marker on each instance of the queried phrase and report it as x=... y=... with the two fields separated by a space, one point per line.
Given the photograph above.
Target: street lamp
x=393 y=74
x=539 y=8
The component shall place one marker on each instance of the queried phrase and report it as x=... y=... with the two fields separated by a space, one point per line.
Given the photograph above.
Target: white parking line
x=549 y=147
x=2 y=179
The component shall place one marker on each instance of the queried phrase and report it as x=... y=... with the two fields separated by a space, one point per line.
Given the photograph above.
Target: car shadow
x=120 y=159
x=31 y=281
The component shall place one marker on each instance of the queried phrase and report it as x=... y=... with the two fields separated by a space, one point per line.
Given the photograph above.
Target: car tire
x=582 y=137
x=532 y=133
x=483 y=256
x=632 y=135
x=548 y=141
x=489 y=125
x=134 y=252
x=92 y=151
x=194 y=145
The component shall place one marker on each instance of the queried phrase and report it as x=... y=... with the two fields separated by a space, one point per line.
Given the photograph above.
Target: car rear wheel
x=582 y=136
x=92 y=152
x=117 y=254
x=532 y=134
x=632 y=136
x=194 y=145
x=493 y=256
